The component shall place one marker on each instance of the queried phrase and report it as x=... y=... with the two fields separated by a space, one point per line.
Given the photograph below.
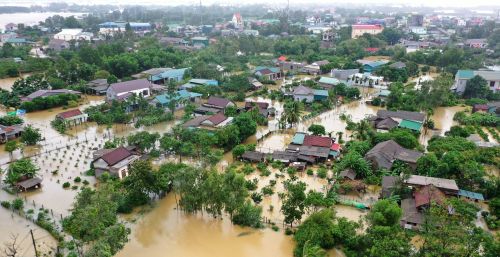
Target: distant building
x=372 y=66
x=418 y=30
x=200 y=42
x=237 y=21
x=492 y=79
x=416 y=20
x=328 y=83
x=58 y=45
x=360 y=29
x=10 y=27
x=150 y=72
x=73 y=34
x=116 y=27
x=123 y=90
x=17 y=41
x=98 y=86
x=477 y=43
x=315 y=67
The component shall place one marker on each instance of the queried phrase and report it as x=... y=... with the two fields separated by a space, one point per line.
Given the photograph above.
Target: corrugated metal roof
x=330 y=81
x=465 y=74
x=298 y=138
x=471 y=195
x=413 y=125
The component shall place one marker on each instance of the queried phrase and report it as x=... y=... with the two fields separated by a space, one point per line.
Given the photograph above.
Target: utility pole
x=34 y=244
x=201 y=14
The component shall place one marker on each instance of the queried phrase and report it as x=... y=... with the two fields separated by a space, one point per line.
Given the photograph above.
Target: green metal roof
x=321 y=92
x=409 y=124
x=465 y=74
x=182 y=94
x=328 y=80
x=298 y=138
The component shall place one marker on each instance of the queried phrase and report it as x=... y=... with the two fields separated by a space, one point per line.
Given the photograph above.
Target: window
x=145 y=92
x=492 y=83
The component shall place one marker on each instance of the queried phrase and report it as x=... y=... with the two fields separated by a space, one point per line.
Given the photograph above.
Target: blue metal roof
x=471 y=195
x=180 y=95
x=298 y=138
x=169 y=74
x=207 y=82
x=465 y=74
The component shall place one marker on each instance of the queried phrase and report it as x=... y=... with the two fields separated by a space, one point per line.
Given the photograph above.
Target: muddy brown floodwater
x=166 y=231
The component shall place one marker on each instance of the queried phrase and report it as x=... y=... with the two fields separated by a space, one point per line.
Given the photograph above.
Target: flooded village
x=320 y=132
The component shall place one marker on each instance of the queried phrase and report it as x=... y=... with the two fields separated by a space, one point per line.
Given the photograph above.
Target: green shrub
x=18 y=204
x=77 y=180
x=5 y=204
x=66 y=185
x=322 y=172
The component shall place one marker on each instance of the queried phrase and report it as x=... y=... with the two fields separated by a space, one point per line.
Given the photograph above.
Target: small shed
x=476 y=197
x=350 y=174
x=32 y=183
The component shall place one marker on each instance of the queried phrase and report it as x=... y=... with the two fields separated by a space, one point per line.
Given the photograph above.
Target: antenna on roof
x=201 y=14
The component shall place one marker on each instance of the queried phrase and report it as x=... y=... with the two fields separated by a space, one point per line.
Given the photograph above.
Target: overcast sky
x=441 y=3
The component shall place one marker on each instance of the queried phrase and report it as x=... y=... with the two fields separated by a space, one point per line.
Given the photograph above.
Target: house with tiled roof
x=268 y=73
x=123 y=90
x=219 y=102
x=8 y=133
x=72 y=117
x=309 y=95
x=114 y=161
x=217 y=121
x=383 y=155
x=387 y=120
x=48 y=92
x=360 y=29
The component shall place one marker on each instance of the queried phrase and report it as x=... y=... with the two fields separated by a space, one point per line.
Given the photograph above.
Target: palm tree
x=363 y=130
x=292 y=112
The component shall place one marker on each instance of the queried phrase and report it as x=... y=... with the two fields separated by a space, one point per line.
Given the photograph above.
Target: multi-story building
x=492 y=79
x=360 y=29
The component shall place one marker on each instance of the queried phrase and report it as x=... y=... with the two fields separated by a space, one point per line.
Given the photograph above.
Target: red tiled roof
x=217 y=118
x=217 y=101
x=335 y=147
x=428 y=194
x=481 y=107
x=282 y=58
x=372 y=49
x=69 y=114
x=116 y=156
x=320 y=141
x=367 y=26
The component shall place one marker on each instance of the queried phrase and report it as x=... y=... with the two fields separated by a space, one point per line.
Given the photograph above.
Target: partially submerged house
x=8 y=133
x=29 y=184
x=253 y=156
x=114 y=161
x=262 y=107
x=328 y=83
x=48 y=92
x=123 y=90
x=179 y=99
x=199 y=82
x=218 y=120
x=72 y=117
x=315 y=67
x=447 y=186
x=462 y=76
x=383 y=155
x=387 y=120
x=343 y=74
x=98 y=86
x=309 y=95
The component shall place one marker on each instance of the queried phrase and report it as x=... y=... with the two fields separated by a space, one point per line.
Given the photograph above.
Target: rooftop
x=127 y=86
x=438 y=182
